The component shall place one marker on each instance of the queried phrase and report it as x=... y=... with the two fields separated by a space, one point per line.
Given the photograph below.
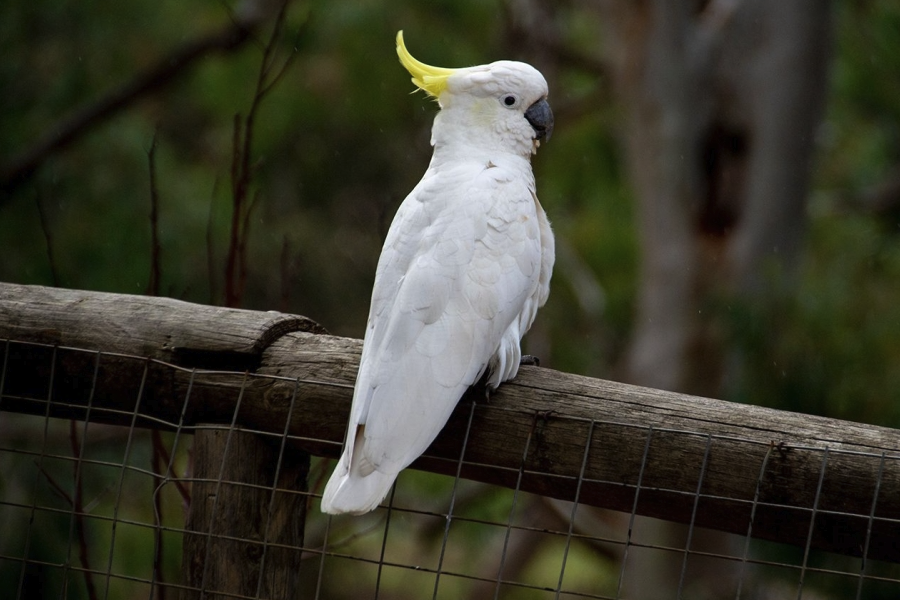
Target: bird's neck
x=458 y=139
x=455 y=154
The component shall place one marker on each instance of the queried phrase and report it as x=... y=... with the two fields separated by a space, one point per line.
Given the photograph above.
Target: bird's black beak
x=540 y=117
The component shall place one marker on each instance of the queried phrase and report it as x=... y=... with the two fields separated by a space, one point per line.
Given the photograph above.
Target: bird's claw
x=530 y=361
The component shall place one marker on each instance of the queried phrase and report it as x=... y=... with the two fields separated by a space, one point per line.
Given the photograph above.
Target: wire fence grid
x=93 y=510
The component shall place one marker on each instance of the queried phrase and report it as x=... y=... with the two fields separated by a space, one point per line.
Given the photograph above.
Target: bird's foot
x=530 y=361
x=479 y=392
x=487 y=393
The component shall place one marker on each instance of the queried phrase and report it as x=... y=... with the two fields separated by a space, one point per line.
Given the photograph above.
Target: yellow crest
x=431 y=80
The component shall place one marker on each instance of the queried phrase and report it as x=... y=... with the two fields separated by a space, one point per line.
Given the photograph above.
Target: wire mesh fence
x=153 y=502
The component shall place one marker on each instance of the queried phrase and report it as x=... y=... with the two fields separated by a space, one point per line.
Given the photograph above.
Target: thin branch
x=60 y=135
x=232 y=295
x=245 y=237
x=78 y=508
x=48 y=239
x=210 y=245
x=242 y=169
x=281 y=72
x=165 y=458
x=155 y=266
x=285 y=274
x=157 y=465
x=236 y=135
x=263 y=88
x=54 y=485
x=322 y=547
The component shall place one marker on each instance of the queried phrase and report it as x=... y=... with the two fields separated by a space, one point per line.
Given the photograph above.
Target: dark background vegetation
x=264 y=174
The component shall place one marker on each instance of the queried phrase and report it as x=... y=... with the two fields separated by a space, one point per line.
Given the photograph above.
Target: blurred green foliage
x=340 y=141
x=337 y=145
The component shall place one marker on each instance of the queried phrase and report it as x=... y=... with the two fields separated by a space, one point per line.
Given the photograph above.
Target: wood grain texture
x=660 y=439
x=236 y=545
x=162 y=328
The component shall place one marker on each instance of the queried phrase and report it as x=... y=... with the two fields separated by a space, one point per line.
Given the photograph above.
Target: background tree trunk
x=722 y=99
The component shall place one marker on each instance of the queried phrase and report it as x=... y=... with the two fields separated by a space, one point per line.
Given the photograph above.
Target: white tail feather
x=355 y=487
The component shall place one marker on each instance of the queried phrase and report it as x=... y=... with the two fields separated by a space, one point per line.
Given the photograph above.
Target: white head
x=497 y=107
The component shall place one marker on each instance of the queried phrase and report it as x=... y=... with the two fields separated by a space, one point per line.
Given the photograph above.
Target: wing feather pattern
x=461 y=265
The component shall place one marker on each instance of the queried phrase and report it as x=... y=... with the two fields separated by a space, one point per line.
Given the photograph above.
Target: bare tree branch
x=155 y=249
x=48 y=239
x=78 y=508
x=242 y=169
x=20 y=168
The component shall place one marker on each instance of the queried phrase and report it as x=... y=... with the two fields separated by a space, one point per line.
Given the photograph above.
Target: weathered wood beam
x=758 y=461
x=236 y=518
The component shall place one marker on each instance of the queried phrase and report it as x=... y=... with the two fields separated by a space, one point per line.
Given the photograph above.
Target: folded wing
x=461 y=262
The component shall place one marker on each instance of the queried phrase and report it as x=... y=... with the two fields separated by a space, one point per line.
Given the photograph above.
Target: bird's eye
x=509 y=100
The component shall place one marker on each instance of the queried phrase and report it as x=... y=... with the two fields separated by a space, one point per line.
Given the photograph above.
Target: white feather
x=464 y=267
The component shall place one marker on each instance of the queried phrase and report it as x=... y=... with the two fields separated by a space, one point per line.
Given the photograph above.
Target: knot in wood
x=279 y=394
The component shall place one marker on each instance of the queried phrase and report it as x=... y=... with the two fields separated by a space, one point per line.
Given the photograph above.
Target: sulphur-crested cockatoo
x=464 y=268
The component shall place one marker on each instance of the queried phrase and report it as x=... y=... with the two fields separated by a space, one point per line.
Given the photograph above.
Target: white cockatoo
x=464 y=268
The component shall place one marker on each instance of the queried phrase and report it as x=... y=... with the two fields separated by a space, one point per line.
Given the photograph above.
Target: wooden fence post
x=230 y=545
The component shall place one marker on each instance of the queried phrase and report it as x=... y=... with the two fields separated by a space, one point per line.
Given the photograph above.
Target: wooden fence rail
x=804 y=479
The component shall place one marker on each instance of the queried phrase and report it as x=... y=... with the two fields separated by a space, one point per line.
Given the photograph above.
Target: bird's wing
x=460 y=261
